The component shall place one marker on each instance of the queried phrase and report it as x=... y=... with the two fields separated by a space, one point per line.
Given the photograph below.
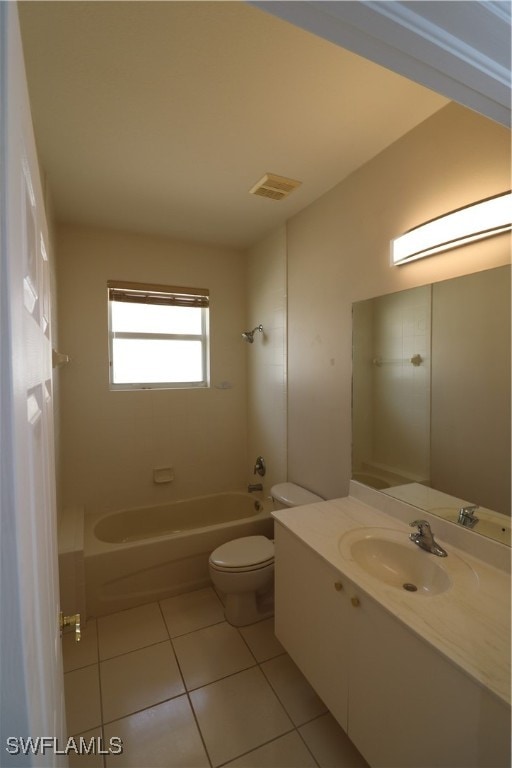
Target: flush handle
x=71 y=621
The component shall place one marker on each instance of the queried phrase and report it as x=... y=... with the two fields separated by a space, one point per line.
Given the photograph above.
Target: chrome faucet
x=254 y=487
x=467 y=516
x=424 y=538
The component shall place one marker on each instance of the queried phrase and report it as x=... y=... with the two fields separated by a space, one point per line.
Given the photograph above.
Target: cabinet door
x=311 y=619
x=409 y=706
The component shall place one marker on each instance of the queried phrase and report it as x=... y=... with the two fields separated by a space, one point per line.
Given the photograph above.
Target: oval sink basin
x=394 y=560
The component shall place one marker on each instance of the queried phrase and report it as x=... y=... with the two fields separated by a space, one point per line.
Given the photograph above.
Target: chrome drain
x=410 y=587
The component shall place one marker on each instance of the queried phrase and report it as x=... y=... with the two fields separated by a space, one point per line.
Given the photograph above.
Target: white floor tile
x=164 y=736
x=84 y=653
x=138 y=680
x=261 y=640
x=294 y=692
x=288 y=751
x=330 y=744
x=211 y=653
x=246 y=714
x=82 y=692
x=238 y=714
x=129 y=630
x=191 y=611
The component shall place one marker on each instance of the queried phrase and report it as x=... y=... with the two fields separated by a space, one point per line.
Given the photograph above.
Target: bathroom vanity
x=409 y=651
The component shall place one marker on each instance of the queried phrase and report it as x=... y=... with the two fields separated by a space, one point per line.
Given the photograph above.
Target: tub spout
x=254 y=487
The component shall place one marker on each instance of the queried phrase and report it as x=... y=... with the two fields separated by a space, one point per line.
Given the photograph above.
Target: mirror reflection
x=431 y=398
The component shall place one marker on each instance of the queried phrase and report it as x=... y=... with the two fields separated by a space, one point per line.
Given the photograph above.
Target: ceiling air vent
x=274 y=187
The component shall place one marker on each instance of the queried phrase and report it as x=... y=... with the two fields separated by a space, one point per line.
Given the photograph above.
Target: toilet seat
x=249 y=553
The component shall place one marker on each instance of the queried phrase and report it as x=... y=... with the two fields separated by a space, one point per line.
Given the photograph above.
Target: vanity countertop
x=469 y=623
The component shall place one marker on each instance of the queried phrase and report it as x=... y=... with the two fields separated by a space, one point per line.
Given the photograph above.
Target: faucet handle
x=425 y=538
x=421 y=524
x=260 y=467
x=469 y=509
x=467 y=515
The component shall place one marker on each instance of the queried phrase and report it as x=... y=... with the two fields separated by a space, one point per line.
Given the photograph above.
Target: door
x=31 y=681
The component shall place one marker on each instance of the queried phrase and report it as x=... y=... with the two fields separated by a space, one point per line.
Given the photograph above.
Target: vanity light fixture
x=476 y=221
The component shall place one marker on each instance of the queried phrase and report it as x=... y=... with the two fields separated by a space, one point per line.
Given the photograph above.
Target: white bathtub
x=139 y=555
x=380 y=478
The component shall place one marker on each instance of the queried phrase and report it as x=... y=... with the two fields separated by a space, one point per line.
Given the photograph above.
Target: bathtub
x=136 y=556
x=372 y=480
x=381 y=478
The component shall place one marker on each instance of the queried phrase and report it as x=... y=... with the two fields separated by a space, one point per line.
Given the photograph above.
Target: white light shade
x=474 y=222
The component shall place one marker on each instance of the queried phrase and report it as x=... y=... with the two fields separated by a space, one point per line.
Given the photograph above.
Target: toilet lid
x=247 y=551
x=292 y=495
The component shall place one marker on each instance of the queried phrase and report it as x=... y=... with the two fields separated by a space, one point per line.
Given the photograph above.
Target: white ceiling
x=160 y=116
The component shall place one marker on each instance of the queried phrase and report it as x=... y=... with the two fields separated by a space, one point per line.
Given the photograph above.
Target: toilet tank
x=292 y=495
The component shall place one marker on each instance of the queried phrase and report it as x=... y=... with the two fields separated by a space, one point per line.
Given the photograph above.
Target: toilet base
x=243 y=608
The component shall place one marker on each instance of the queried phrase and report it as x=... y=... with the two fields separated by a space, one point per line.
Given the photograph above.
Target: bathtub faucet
x=260 y=466
x=254 y=487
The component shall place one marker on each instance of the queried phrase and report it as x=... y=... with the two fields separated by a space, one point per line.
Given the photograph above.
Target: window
x=158 y=336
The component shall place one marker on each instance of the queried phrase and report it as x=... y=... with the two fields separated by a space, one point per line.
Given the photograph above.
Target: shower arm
x=249 y=335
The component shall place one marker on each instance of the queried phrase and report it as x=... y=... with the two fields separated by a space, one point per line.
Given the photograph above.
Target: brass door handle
x=71 y=621
x=338 y=586
x=355 y=601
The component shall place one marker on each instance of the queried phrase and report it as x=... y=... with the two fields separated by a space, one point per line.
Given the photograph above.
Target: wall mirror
x=431 y=397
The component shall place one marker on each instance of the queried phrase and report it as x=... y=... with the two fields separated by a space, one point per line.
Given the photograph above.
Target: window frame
x=148 y=293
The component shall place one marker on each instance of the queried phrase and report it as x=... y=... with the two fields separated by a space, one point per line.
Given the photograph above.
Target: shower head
x=249 y=335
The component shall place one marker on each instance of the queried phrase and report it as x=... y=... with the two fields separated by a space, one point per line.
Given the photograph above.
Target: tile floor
x=183 y=688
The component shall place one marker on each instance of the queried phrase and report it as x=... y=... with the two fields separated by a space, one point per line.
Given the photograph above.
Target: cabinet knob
x=355 y=601
x=338 y=586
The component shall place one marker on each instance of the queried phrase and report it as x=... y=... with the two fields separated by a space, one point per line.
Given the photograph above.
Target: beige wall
x=112 y=441
x=471 y=364
x=391 y=395
x=288 y=396
x=338 y=253
x=266 y=358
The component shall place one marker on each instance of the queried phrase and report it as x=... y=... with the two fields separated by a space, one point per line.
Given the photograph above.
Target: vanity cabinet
x=312 y=619
x=401 y=702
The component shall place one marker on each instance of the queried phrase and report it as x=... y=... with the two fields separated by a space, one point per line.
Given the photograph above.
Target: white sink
x=390 y=557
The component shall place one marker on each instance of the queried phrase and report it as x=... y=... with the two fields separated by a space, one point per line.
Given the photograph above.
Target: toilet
x=242 y=570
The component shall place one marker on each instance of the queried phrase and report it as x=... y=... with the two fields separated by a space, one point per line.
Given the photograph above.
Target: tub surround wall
x=338 y=253
x=112 y=441
x=390 y=395
x=266 y=358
